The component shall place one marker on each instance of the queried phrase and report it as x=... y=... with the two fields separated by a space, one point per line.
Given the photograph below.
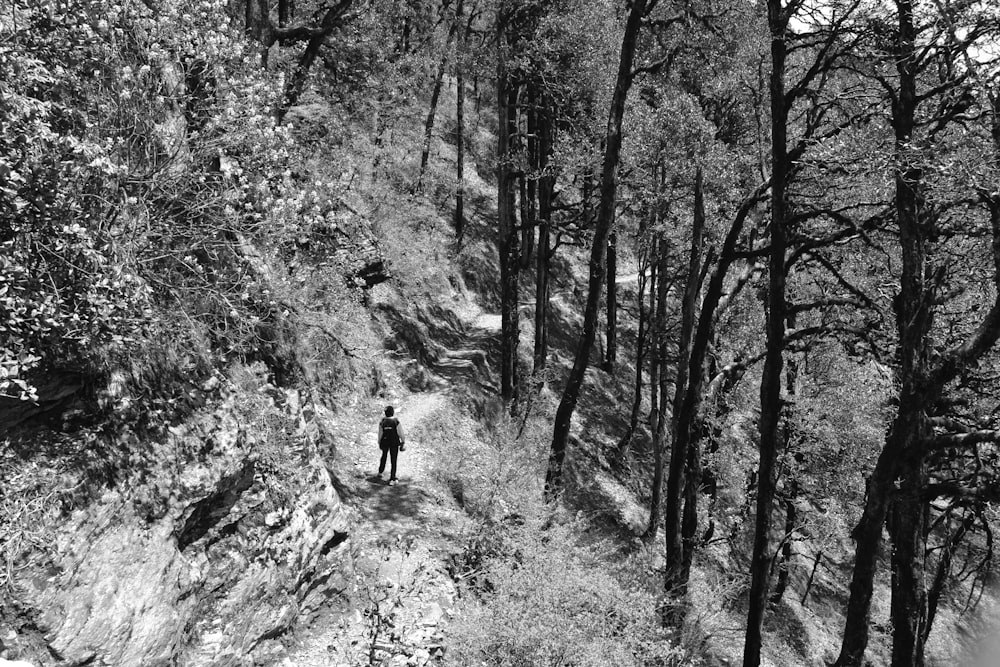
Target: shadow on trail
x=396 y=509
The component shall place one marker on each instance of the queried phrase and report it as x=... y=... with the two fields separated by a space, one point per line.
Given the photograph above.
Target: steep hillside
x=232 y=233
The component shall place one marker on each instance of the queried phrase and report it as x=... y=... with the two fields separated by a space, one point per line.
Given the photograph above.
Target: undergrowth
x=543 y=598
x=537 y=589
x=32 y=499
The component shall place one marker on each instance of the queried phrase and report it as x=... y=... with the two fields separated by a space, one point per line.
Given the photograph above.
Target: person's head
x=389 y=411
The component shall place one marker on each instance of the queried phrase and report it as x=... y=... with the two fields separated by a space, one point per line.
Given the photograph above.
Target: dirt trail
x=404 y=534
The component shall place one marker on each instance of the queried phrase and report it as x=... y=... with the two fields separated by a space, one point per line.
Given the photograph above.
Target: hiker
x=390 y=441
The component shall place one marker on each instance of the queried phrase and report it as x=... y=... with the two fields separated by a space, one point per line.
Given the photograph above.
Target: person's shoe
x=392 y=482
x=378 y=475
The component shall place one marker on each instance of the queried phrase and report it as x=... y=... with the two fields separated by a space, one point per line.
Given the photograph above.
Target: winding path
x=404 y=534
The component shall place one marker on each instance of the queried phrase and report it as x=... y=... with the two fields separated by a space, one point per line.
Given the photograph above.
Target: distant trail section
x=416 y=409
x=487 y=322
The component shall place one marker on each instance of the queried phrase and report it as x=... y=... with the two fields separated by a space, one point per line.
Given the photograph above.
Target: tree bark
x=602 y=228
x=258 y=26
x=900 y=458
x=687 y=368
x=529 y=181
x=908 y=606
x=689 y=518
x=640 y=358
x=526 y=204
x=425 y=152
x=611 y=348
x=508 y=240
x=546 y=185
x=791 y=487
x=459 y=216
x=659 y=402
x=785 y=557
x=654 y=363
x=770 y=386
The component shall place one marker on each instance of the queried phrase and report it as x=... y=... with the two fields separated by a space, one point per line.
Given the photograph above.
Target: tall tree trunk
x=546 y=185
x=611 y=349
x=526 y=202
x=908 y=607
x=508 y=240
x=770 y=385
x=588 y=198
x=540 y=352
x=605 y=220
x=425 y=152
x=791 y=488
x=689 y=518
x=459 y=217
x=529 y=181
x=785 y=557
x=868 y=536
x=900 y=458
x=698 y=428
x=654 y=362
x=676 y=582
x=659 y=402
x=256 y=21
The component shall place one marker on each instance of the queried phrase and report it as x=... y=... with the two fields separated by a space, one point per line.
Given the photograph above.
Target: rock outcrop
x=205 y=561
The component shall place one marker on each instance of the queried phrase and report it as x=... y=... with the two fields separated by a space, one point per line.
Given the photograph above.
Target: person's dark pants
x=391 y=451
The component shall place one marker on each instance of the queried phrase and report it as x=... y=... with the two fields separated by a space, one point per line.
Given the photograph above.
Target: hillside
x=232 y=233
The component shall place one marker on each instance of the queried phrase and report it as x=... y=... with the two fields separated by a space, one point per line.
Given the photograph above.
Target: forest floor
x=404 y=535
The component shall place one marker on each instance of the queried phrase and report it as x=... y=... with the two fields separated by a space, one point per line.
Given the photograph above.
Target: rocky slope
x=259 y=536
x=199 y=564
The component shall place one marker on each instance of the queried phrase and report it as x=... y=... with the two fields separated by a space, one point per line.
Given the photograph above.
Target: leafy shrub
x=145 y=188
x=492 y=472
x=33 y=497
x=552 y=601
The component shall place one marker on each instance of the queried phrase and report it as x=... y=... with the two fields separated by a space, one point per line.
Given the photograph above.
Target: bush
x=491 y=472
x=552 y=601
x=146 y=187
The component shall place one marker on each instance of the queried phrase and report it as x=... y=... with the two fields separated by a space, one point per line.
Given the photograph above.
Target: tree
x=260 y=28
x=598 y=254
x=897 y=488
x=460 y=66
x=546 y=192
x=675 y=581
x=770 y=385
x=508 y=238
x=611 y=327
x=659 y=381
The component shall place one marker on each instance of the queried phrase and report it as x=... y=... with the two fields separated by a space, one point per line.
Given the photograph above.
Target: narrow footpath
x=404 y=534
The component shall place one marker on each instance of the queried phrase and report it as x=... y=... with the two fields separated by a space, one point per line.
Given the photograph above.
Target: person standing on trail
x=390 y=441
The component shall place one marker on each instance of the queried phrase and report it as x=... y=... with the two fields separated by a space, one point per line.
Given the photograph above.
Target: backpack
x=390 y=434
